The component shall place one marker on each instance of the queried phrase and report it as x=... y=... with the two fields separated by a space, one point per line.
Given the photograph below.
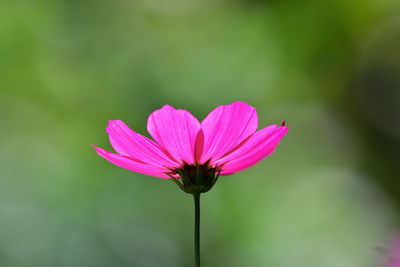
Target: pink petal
x=176 y=131
x=248 y=145
x=225 y=127
x=131 y=164
x=199 y=144
x=127 y=142
x=260 y=145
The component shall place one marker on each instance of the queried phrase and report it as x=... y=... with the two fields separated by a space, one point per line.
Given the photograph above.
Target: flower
x=225 y=142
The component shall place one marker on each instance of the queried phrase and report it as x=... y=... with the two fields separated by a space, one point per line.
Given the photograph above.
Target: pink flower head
x=226 y=141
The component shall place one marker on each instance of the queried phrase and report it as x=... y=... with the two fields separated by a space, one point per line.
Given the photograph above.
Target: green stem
x=196 y=197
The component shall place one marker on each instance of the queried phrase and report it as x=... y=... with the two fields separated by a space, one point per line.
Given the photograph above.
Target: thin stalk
x=196 y=197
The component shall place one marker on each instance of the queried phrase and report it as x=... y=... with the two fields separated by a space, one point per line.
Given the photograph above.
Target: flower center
x=196 y=178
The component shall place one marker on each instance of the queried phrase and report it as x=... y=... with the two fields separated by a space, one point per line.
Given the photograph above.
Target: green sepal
x=196 y=179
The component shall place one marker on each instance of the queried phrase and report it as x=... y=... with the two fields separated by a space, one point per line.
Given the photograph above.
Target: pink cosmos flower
x=227 y=139
x=194 y=154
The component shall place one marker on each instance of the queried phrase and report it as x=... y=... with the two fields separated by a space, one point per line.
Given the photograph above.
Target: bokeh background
x=329 y=196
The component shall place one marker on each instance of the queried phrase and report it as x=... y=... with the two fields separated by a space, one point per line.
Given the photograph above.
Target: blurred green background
x=328 y=197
